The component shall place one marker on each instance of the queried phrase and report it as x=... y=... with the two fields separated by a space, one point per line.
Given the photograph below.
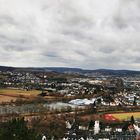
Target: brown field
x=4 y=99
x=16 y=92
x=90 y=117
x=8 y=95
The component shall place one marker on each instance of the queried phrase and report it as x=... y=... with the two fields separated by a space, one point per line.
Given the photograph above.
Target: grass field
x=19 y=92
x=6 y=95
x=125 y=116
x=121 y=116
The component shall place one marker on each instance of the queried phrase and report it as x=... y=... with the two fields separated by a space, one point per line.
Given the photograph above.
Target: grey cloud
x=107 y=49
x=82 y=33
x=4 y=19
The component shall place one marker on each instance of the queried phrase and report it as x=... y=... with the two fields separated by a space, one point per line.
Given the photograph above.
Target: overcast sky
x=73 y=33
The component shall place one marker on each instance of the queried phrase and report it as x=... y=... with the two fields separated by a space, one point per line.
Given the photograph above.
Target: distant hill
x=97 y=71
x=65 y=69
x=72 y=70
x=4 y=68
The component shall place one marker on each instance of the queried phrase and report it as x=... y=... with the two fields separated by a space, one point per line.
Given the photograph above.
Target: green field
x=126 y=116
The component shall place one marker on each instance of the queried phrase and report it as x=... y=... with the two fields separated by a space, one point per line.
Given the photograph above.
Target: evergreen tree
x=132 y=119
x=135 y=101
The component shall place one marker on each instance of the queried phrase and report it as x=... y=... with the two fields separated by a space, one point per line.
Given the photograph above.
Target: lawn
x=126 y=116
x=121 y=116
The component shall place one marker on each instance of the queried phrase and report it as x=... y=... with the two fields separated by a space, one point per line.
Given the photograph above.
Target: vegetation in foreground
x=17 y=129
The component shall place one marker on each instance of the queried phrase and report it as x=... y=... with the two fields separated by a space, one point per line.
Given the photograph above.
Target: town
x=89 y=105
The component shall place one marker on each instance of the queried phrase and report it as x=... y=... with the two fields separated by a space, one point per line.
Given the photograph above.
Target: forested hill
x=72 y=70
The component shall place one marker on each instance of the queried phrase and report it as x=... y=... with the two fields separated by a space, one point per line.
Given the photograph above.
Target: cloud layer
x=75 y=33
